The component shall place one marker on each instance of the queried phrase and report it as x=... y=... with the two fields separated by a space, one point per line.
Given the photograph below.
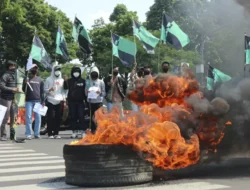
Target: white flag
x=200 y=68
x=29 y=64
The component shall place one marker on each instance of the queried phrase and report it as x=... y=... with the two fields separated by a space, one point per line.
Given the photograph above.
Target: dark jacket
x=36 y=94
x=121 y=84
x=7 y=83
x=75 y=87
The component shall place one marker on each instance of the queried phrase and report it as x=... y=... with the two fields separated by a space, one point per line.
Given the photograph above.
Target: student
x=54 y=90
x=76 y=100
x=95 y=104
x=34 y=90
x=8 y=86
x=116 y=88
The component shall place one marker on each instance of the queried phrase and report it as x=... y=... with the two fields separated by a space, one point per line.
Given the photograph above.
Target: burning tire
x=105 y=165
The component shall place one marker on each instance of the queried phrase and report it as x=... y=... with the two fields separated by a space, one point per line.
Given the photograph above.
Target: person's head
x=184 y=67
x=115 y=71
x=140 y=72
x=165 y=66
x=57 y=71
x=147 y=70
x=76 y=72
x=34 y=70
x=94 y=73
x=11 y=65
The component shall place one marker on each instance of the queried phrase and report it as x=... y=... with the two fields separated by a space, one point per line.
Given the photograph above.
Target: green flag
x=247 y=49
x=39 y=53
x=215 y=76
x=81 y=35
x=124 y=49
x=172 y=33
x=61 y=46
x=148 y=40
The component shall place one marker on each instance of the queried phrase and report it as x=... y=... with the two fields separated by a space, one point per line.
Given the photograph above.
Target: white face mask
x=76 y=74
x=57 y=73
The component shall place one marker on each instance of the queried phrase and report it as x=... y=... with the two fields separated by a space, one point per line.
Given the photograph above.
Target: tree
x=98 y=23
x=26 y=16
x=119 y=10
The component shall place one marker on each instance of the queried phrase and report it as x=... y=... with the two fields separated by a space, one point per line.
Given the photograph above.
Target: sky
x=89 y=10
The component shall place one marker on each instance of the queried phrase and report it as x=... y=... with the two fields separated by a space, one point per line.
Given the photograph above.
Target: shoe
x=37 y=137
x=4 y=139
x=74 y=135
x=57 y=137
x=51 y=137
x=82 y=135
x=28 y=138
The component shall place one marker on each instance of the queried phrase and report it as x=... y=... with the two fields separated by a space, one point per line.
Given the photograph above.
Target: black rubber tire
x=105 y=166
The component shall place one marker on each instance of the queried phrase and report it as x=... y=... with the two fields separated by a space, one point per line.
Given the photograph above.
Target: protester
x=147 y=72
x=165 y=67
x=135 y=79
x=116 y=88
x=54 y=90
x=8 y=86
x=76 y=101
x=97 y=86
x=33 y=87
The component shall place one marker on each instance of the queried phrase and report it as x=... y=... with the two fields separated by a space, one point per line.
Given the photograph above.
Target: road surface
x=39 y=165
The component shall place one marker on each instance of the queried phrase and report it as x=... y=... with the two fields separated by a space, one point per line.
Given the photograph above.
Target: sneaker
x=37 y=137
x=57 y=137
x=51 y=137
x=74 y=135
x=4 y=139
x=28 y=137
x=82 y=135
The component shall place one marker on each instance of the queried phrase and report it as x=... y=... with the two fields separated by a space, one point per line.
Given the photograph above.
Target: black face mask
x=12 y=69
x=165 y=70
x=33 y=72
x=140 y=73
x=146 y=72
x=94 y=76
x=115 y=73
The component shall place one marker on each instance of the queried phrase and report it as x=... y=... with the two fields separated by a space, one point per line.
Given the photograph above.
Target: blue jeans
x=29 y=109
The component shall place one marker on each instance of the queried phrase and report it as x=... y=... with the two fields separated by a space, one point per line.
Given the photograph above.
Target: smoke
x=237 y=94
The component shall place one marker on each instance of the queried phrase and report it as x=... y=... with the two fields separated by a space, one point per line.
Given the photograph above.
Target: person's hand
x=98 y=92
x=52 y=89
x=43 y=104
x=15 y=89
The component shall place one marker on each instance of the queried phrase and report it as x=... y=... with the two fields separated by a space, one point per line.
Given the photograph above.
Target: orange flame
x=156 y=131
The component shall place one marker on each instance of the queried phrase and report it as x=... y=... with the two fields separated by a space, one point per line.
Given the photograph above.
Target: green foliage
x=19 y=22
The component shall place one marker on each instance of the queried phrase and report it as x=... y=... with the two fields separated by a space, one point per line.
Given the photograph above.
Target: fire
x=166 y=131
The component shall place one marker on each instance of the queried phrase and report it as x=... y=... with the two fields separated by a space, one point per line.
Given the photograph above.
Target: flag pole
x=159 y=54
x=134 y=41
x=245 y=55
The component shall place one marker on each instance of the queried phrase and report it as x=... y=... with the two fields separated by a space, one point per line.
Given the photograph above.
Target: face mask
x=165 y=70
x=146 y=72
x=12 y=69
x=33 y=72
x=94 y=76
x=115 y=73
x=76 y=74
x=57 y=73
x=140 y=74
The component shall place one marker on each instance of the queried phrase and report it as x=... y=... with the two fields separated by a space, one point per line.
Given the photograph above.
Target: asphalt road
x=39 y=165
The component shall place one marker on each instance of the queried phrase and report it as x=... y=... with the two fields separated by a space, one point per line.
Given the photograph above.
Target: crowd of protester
x=57 y=91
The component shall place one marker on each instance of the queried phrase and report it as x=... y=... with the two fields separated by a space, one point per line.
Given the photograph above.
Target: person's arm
x=46 y=86
x=103 y=91
x=42 y=92
x=66 y=85
x=24 y=85
x=124 y=86
x=3 y=81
